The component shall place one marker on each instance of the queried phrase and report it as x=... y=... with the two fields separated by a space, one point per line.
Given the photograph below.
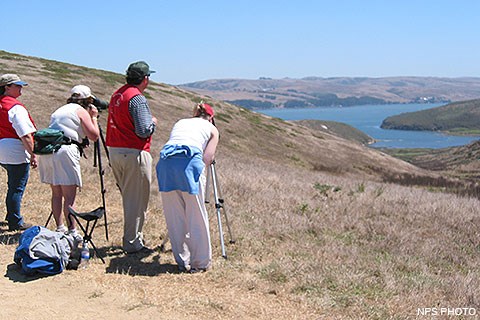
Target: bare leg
x=57 y=205
x=69 y=193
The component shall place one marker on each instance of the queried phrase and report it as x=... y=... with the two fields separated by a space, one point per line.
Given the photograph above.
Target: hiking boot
x=22 y=227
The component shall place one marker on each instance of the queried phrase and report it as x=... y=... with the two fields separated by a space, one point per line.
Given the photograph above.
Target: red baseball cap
x=208 y=109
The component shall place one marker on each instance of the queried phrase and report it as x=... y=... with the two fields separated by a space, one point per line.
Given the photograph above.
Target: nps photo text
x=445 y=311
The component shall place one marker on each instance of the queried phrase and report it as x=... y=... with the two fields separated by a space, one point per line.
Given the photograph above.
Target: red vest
x=6 y=128
x=120 y=126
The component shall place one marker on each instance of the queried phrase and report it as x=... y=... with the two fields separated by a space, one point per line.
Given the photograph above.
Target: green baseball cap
x=138 y=69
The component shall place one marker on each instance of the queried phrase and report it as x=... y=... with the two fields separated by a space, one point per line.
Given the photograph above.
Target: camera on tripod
x=100 y=104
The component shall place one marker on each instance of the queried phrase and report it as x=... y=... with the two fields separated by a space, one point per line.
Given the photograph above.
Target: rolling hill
x=340 y=91
x=243 y=131
x=324 y=227
x=456 y=118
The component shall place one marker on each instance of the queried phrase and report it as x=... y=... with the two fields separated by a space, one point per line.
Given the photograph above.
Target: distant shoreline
x=368 y=120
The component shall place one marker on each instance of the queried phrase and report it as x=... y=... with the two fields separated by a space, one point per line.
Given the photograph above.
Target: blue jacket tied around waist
x=180 y=168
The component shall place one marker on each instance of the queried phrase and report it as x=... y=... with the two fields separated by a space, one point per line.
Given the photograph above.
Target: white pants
x=188 y=228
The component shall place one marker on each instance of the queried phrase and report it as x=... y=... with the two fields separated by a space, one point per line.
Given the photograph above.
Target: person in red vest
x=130 y=126
x=16 y=147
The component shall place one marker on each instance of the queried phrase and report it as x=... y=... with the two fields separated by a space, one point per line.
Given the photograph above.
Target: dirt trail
x=137 y=288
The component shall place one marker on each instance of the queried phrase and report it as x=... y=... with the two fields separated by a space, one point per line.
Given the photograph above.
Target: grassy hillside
x=242 y=131
x=455 y=118
x=462 y=162
x=338 y=129
x=321 y=229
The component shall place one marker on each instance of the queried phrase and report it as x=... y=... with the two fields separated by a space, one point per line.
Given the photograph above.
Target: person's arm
x=27 y=141
x=25 y=129
x=209 y=152
x=88 y=120
x=143 y=120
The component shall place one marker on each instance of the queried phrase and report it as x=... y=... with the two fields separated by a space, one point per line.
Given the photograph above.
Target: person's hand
x=92 y=111
x=208 y=158
x=154 y=120
x=33 y=161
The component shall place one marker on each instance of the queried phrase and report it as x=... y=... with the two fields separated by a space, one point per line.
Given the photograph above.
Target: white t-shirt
x=193 y=132
x=12 y=150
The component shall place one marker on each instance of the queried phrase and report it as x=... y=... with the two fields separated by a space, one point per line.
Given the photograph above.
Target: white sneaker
x=61 y=229
x=77 y=238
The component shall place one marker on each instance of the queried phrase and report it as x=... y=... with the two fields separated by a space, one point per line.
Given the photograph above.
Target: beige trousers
x=132 y=169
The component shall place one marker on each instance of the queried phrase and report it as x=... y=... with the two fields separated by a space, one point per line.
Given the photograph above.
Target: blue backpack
x=42 y=251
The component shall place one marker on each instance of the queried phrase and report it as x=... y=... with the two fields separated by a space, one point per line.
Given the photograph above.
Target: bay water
x=368 y=119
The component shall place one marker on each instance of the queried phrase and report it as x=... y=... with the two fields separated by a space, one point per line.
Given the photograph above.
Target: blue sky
x=186 y=41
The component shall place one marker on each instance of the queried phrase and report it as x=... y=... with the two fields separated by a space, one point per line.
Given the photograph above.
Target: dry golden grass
x=360 y=249
x=334 y=243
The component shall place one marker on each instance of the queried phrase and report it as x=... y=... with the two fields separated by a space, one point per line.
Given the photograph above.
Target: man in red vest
x=16 y=147
x=129 y=132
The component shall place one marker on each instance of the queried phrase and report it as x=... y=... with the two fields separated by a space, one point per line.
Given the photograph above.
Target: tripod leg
x=222 y=202
x=218 y=205
x=98 y=160
x=102 y=137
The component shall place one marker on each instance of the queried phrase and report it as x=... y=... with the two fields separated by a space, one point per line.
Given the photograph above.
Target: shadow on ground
x=137 y=264
x=9 y=238
x=117 y=261
x=15 y=274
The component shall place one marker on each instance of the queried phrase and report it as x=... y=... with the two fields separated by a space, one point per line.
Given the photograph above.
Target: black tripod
x=97 y=161
x=219 y=205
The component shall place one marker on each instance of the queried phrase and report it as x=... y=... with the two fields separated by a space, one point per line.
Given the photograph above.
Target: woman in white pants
x=181 y=179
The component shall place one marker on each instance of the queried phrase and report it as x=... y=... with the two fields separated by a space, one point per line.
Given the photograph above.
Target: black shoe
x=22 y=227
x=197 y=270
x=183 y=269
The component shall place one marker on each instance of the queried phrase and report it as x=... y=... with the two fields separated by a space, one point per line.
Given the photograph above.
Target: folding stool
x=91 y=216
